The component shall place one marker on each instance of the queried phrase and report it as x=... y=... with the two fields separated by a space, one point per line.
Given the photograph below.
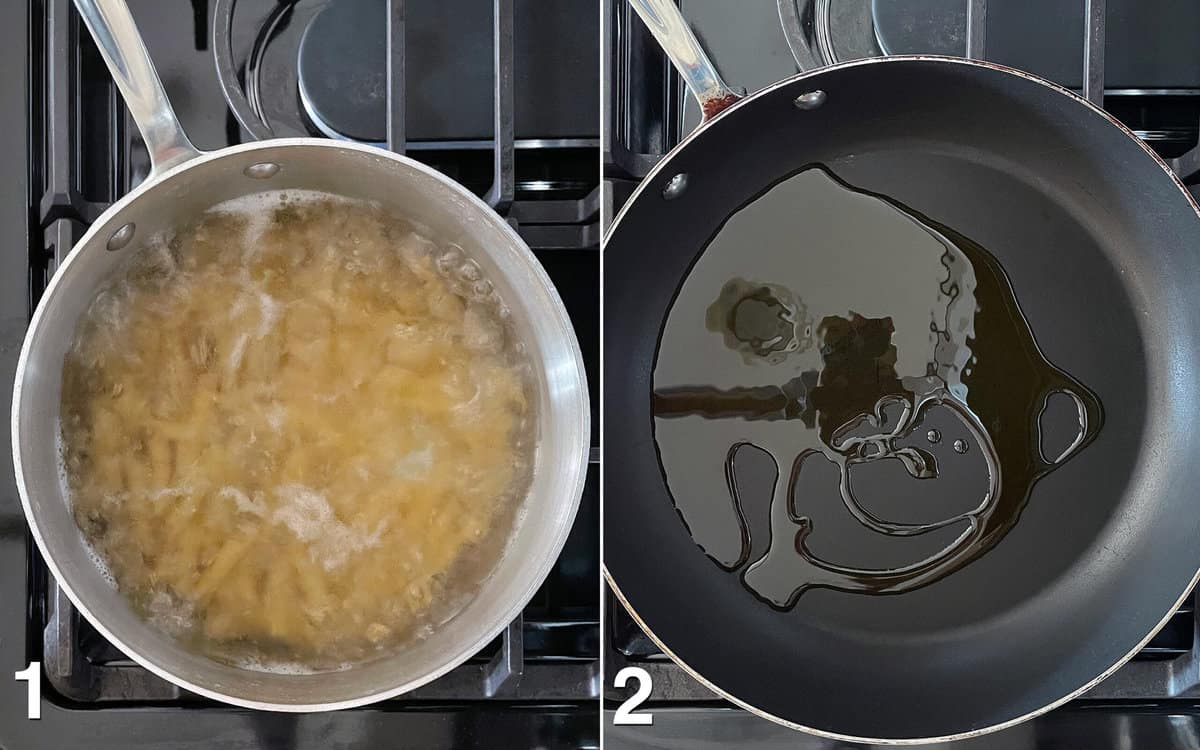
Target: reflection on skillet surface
x=856 y=344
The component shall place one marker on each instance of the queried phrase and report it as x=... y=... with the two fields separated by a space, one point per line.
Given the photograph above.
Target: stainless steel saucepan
x=183 y=183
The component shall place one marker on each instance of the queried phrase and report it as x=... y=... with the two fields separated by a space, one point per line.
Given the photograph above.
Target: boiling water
x=824 y=326
x=297 y=432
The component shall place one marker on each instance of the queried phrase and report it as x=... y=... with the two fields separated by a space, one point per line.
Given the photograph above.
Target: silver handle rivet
x=261 y=171
x=810 y=100
x=121 y=237
x=675 y=186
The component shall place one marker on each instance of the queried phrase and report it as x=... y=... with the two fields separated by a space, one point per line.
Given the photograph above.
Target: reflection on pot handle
x=111 y=25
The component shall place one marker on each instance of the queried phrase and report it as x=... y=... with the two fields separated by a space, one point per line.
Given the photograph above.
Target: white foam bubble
x=244 y=503
x=260 y=204
x=170 y=613
x=101 y=566
x=60 y=452
x=416 y=464
x=166 y=492
x=308 y=515
x=269 y=313
x=269 y=310
x=236 y=352
x=256 y=664
x=413 y=250
x=64 y=487
x=481 y=330
x=256 y=210
x=276 y=416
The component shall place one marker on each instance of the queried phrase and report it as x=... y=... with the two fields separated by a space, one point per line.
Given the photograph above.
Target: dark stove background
x=1154 y=700
x=71 y=150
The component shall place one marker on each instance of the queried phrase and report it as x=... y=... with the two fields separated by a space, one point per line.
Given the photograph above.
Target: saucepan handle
x=681 y=46
x=111 y=25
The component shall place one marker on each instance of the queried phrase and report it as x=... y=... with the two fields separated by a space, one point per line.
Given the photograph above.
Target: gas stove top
x=1147 y=65
x=495 y=95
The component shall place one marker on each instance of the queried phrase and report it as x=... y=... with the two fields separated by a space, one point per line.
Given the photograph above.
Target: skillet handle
x=681 y=46
x=111 y=25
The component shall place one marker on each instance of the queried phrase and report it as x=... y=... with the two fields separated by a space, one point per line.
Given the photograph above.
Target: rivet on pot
x=811 y=100
x=675 y=186
x=261 y=171
x=121 y=237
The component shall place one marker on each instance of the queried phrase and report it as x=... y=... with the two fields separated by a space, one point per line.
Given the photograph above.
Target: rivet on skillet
x=810 y=100
x=121 y=237
x=262 y=171
x=675 y=186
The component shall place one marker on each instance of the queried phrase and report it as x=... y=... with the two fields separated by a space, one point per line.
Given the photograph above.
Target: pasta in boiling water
x=297 y=431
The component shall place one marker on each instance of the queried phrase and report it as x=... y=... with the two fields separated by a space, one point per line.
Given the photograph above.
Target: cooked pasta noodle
x=297 y=431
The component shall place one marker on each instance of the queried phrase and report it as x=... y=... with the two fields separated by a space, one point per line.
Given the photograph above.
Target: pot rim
x=576 y=472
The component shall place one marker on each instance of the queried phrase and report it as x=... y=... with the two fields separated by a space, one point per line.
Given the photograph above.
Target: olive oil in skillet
x=828 y=325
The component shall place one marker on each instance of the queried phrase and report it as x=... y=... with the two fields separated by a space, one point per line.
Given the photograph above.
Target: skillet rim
x=651 y=178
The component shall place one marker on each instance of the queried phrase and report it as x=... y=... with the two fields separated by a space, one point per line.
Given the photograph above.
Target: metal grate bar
x=976 y=29
x=1187 y=166
x=585 y=209
x=62 y=198
x=227 y=75
x=636 y=133
x=396 y=126
x=503 y=189
x=71 y=674
x=1093 y=51
x=60 y=189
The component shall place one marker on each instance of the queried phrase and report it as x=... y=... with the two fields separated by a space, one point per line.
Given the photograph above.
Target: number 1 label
x=33 y=676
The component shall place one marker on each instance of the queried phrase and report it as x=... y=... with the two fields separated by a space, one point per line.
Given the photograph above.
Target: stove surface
x=1153 y=85
x=71 y=151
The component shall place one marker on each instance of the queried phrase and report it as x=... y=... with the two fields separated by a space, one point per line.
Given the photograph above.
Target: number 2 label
x=33 y=676
x=625 y=715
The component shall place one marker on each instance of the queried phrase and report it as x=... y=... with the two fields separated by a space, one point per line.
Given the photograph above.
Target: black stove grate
x=244 y=101
x=645 y=119
x=491 y=157
x=86 y=153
